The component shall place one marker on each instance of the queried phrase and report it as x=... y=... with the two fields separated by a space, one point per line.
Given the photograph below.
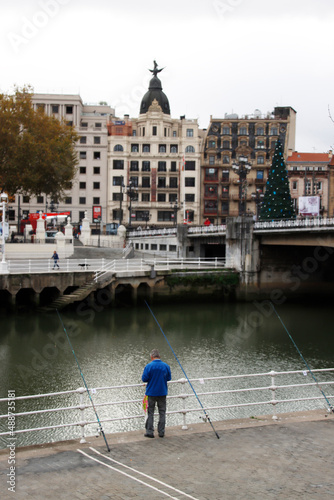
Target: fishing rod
x=206 y=415
x=330 y=407
x=83 y=378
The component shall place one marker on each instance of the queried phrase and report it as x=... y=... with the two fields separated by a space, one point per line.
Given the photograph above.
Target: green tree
x=37 y=152
x=277 y=203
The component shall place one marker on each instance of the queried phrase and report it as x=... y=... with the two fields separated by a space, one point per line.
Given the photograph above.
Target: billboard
x=309 y=206
x=97 y=213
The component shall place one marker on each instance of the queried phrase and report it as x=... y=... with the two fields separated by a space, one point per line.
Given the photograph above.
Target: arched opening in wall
x=26 y=297
x=209 y=251
x=48 y=295
x=123 y=295
x=5 y=299
x=143 y=293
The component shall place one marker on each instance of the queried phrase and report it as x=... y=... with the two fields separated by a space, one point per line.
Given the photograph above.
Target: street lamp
x=242 y=168
x=258 y=198
x=131 y=192
x=175 y=206
x=4 y=201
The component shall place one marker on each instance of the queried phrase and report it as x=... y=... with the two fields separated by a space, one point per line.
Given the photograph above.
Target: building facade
x=89 y=184
x=236 y=158
x=309 y=176
x=154 y=165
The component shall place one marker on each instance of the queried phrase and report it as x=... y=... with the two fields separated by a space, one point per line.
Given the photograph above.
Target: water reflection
x=209 y=340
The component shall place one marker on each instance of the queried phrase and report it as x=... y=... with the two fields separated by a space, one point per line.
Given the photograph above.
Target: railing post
x=184 y=412
x=81 y=390
x=273 y=388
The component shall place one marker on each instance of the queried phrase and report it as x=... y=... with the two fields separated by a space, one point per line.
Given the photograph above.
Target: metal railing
x=36 y=266
x=227 y=397
x=305 y=223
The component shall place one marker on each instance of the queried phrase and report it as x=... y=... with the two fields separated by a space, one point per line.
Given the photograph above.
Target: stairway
x=79 y=294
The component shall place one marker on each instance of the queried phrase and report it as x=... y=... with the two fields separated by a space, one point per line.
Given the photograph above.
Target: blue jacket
x=156 y=374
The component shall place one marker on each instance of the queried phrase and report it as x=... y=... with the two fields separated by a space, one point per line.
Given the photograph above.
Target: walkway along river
x=113 y=345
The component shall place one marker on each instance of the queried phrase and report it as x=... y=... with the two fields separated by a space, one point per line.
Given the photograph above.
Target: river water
x=112 y=348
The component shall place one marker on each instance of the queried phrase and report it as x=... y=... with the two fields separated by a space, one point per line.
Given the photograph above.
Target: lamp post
x=175 y=205
x=131 y=192
x=242 y=168
x=258 y=198
x=121 y=200
x=4 y=201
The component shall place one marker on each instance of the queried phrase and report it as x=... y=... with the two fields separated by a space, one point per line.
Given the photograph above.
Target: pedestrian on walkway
x=156 y=374
x=55 y=258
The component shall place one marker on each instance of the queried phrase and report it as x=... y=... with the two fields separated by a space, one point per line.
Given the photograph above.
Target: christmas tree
x=277 y=203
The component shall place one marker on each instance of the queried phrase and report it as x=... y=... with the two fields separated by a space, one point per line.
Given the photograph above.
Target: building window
x=211 y=191
x=173 y=148
x=146 y=148
x=189 y=181
x=260 y=144
x=162 y=148
x=134 y=148
x=97 y=155
x=146 y=182
x=81 y=216
x=134 y=133
x=172 y=248
x=294 y=185
x=68 y=200
x=173 y=166
x=164 y=216
x=174 y=133
x=69 y=110
x=117 y=197
x=225 y=207
x=163 y=248
x=82 y=200
x=118 y=147
x=173 y=182
x=259 y=174
x=98 y=125
x=96 y=185
x=96 y=201
x=118 y=164
x=117 y=181
x=211 y=174
x=161 y=182
x=226 y=144
x=82 y=170
x=154 y=130
x=134 y=181
x=226 y=130
x=273 y=131
x=226 y=176
x=161 y=197
x=84 y=125
x=69 y=123
x=172 y=197
x=211 y=160
x=134 y=166
x=26 y=199
x=82 y=185
x=190 y=149
x=212 y=144
x=82 y=155
x=243 y=131
x=226 y=159
x=260 y=131
x=83 y=140
x=146 y=166
x=97 y=140
x=96 y=170
x=190 y=165
x=260 y=160
x=40 y=199
x=190 y=198
x=210 y=206
x=145 y=197
x=55 y=108
x=190 y=132
x=162 y=166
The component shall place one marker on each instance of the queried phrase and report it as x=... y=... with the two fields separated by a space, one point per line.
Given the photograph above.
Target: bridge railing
x=120 y=407
x=307 y=222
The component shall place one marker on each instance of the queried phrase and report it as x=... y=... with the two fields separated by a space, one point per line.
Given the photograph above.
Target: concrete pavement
x=253 y=459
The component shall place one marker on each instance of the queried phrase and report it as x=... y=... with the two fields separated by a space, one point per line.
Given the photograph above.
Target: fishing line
x=330 y=407
x=206 y=415
x=83 y=378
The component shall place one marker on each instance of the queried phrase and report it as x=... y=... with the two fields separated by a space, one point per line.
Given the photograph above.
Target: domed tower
x=155 y=93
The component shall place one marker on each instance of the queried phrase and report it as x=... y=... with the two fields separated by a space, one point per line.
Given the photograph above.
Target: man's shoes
x=161 y=435
x=148 y=435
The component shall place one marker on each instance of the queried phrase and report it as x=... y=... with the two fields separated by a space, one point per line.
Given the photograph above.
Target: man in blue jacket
x=156 y=374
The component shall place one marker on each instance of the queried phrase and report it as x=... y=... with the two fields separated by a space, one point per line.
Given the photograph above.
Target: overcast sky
x=220 y=56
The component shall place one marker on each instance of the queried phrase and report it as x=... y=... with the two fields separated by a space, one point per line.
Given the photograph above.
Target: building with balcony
x=309 y=175
x=154 y=165
x=229 y=144
x=89 y=184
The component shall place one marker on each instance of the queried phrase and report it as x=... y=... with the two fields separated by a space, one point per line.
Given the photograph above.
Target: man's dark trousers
x=161 y=402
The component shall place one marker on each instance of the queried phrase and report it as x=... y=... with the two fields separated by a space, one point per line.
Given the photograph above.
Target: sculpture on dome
x=155 y=71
